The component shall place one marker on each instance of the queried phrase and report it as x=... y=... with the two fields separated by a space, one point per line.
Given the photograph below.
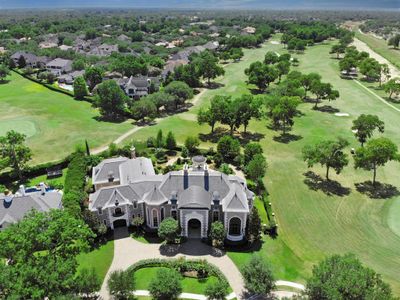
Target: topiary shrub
x=166 y=285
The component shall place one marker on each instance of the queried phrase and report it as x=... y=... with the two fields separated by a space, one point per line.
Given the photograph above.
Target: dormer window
x=134 y=204
x=99 y=210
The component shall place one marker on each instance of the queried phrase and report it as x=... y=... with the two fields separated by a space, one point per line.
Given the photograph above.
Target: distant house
x=104 y=50
x=2 y=50
x=137 y=87
x=65 y=47
x=15 y=206
x=248 y=30
x=69 y=78
x=59 y=66
x=123 y=38
x=31 y=60
x=47 y=45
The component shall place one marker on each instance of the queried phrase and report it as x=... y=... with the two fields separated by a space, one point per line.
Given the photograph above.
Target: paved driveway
x=128 y=251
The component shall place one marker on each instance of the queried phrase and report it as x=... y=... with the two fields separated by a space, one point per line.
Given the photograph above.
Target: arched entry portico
x=194 y=229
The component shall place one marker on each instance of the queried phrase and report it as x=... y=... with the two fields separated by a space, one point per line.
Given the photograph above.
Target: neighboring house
x=14 y=207
x=47 y=45
x=69 y=78
x=195 y=196
x=248 y=30
x=59 y=66
x=2 y=50
x=123 y=38
x=136 y=87
x=103 y=50
x=30 y=59
x=65 y=47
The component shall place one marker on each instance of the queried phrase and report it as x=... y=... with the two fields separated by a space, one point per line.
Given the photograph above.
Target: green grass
x=53 y=122
x=380 y=46
x=144 y=276
x=100 y=259
x=311 y=223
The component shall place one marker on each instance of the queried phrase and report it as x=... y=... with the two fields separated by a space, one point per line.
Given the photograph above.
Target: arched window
x=162 y=213
x=118 y=211
x=155 y=217
x=234 y=226
x=174 y=214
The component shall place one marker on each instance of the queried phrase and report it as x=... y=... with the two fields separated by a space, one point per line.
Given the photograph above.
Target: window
x=162 y=213
x=138 y=215
x=155 y=218
x=118 y=211
x=234 y=226
x=174 y=214
x=100 y=210
x=133 y=216
x=105 y=222
x=135 y=204
x=215 y=215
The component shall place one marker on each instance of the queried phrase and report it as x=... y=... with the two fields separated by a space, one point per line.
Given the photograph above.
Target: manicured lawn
x=144 y=276
x=100 y=259
x=313 y=224
x=380 y=46
x=53 y=122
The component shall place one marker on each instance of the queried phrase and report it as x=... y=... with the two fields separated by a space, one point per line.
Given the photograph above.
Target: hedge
x=272 y=228
x=181 y=265
x=75 y=181
x=34 y=171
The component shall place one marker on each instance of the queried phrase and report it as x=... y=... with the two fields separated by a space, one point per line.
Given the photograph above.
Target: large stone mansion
x=196 y=196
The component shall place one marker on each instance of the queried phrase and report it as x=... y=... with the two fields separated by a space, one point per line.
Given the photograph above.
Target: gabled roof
x=133 y=169
x=107 y=167
x=154 y=196
x=194 y=197
x=236 y=200
x=59 y=62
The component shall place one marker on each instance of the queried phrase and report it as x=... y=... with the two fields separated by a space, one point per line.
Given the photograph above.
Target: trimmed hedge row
x=181 y=265
x=34 y=171
x=75 y=181
x=272 y=228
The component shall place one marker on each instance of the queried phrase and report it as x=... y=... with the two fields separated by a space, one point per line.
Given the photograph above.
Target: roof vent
x=110 y=176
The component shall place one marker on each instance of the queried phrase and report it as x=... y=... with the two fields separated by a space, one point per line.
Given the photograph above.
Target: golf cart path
x=127 y=134
x=128 y=251
x=361 y=46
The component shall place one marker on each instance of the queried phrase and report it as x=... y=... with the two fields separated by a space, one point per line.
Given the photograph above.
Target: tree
x=94 y=76
x=191 y=144
x=261 y=75
x=271 y=58
x=159 y=99
x=283 y=111
x=283 y=68
x=217 y=234
x=92 y=220
x=78 y=64
x=121 y=284
x=392 y=87
x=256 y=168
x=137 y=222
x=21 y=62
x=80 y=90
x=384 y=72
x=250 y=150
x=344 y=277
x=110 y=99
x=187 y=73
x=168 y=230
x=87 y=282
x=207 y=65
x=377 y=152
x=394 y=41
x=308 y=81
x=4 y=72
x=217 y=290
x=254 y=226
x=365 y=125
x=338 y=49
x=166 y=285
x=258 y=276
x=323 y=91
x=236 y=54
x=215 y=112
x=170 y=142
x=228 y=147
x=327 y=153
x=246 y=108
x=143 y=109
x=370 y=68
x=180 y=92
x=14 y=153
x=41 y=251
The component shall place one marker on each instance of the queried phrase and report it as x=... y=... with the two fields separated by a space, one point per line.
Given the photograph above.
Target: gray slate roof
x=21 y=205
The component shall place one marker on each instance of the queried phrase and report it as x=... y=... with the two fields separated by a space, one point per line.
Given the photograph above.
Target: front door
x=194 y=229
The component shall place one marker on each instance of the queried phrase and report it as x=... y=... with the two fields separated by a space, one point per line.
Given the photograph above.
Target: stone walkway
x=128 y=251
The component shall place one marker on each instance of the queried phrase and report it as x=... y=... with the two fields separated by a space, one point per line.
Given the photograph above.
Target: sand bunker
x=342 y=114
x=275 y=42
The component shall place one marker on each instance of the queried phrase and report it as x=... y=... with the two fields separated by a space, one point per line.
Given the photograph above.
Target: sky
x=209 y=4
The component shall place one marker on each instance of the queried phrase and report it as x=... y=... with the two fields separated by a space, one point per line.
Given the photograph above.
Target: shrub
x=166 y=285
x=217 y=233
x=217 y=290
x=191 y=143
x=121 y=284
x=228 y=147
x=258 y=276
x=168 y=230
